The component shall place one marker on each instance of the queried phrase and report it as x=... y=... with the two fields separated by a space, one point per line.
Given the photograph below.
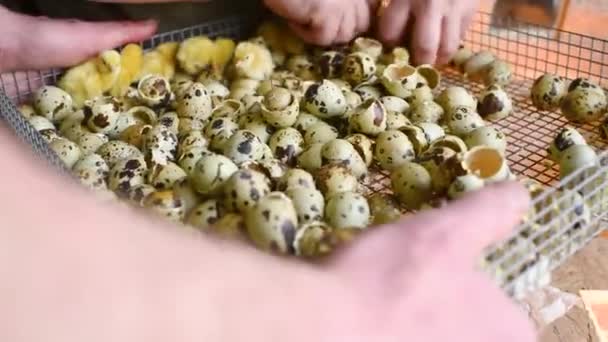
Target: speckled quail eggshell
x=347 y=210
x=188 y=159
x=369 y=46
x=384 y=208
x=395 y=120
x=412 y=184
x=359 y=67
x=308 y=202
x=230 y=226
x=205 y=214
x=191 y=139
x=400 y=79
x=186 y=193
x=314 y=239
x=487 y=163
x=452 y=142
x=115 y=150
x=211 y=173
x=160 y=145
x=454 y=96
x=566 y=138
x=280 y=108
x=463 y=185
x=417 y=138
x=26 y=110
x=195 y=103
x=126 y=174
x=267 y=153
x=494 y=104
x=154 y=90
x=252 y=104
x=583 y=83
x=431 y=75
x=310 y=158
x=92 y=171
x=219 y=131
x=463 y=120
x=295 y=178
x=216 y=88
x=577 y=157
x=477 y=64
x=325 y=100
x=260 y=128
x=50 y=135
x=335 y=178
x=548 y=91
x=340 y=151
x=487 y=136
x=443 y=165
x=52 y=103
x=422 y=93
x=369 y=118
x=166 y=204
x=286 y=144
x=426 y=111
x=393 y=149
x=499 y=72
x=330 y=64
x=244 y=189
x=432 y=131
x=364 y=146
x=138 y=193
x=304 y=121
x=368 y=92
x=460 y=57
x=163 y=177
x=171 y=121
x=40 y=123
x=320 y=132
x=395 y=104
x=243 y=146
x=272 y=224
x=67 y=151
x=228 y=109
x=583 y=105
x=90 y=142
x=301 y=66
x=102 y=117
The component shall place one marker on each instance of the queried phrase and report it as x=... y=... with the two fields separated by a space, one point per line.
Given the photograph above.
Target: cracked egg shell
x=211 y=173
x=335 y=178
x=143 y=115
x=498 y=73
x=205 y=215
x=330 y=64
x=154 y=91
x=400 y=79
x=280 y=108
x=364 y=146
x=487 y=163
x=395 y=104
x=188 y=125
x=191 y=139
x=116 y=150
x=487 y=136
x=171 y=121
x=230 y=109
x=195 y=103
x=430 y=75
x=369 y=92
x=420 y=94
x=358 y=68
x=443 y=164
x=340 y=151
x=453 y=97
x=384 y=208
x=369 y=46
x=219 y=131
x=92 y=171
x=52 y=103
x=494 y=104
x=325 y=100
x=295 y=178
x=90 y=142
x=164 y=177
x=369 y=118
x=286 y=144
x=309 y=204
x=432 y=132
x=310 y=158
x=160 y=145
x=314 y=239
x=244 y=189
x=417 y=138
x=464 y=185
x=395 y=120
x=320 y=132
x=353 y=100
x=582 y=105
x=304 y=121
x=165 y=203
x=464 y=120
x=50 y=135
x=260 y=128
x=426 y=111
x=272 y=223
x=189 y=157
x=397 y=55
x=184 y=191
x=412 y=184
x=138 y=193
x=243 y=146
x=347 y=210
x=41 y=123
x=102 y=116
x=126 y=174
x=393 y=149
x=135 y=135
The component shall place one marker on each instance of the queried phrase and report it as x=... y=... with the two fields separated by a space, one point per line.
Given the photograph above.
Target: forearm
x=99 y=270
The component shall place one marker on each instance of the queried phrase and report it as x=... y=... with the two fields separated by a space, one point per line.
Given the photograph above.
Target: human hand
x=34 y=43
x=437 y=26
x=324 y=22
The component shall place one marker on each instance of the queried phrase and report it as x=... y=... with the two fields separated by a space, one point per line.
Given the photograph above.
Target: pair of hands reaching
x=30 y=43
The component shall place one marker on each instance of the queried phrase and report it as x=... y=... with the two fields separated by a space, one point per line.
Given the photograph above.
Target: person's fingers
x=450 y=38
x=323 y=35
x=348 y=26
x=427 y=34
x=301 y=12
x=465 y=23
x=392 y=25
x=46 y=43
x=459 y=232
x=362 y=10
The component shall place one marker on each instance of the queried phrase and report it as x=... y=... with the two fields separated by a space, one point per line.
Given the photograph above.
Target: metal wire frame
x=549 y=235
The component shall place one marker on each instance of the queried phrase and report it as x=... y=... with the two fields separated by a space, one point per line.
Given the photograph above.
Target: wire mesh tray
x=555 y=229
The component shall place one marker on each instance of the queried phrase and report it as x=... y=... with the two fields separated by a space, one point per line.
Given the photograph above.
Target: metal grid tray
x=549 y=235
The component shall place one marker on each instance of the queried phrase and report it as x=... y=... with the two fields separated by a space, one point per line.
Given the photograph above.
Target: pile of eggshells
x=271 y=140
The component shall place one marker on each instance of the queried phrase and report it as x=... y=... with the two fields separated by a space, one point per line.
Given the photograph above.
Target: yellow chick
x=224 y=50
x=194 y=55
x=160 y=61
x=253 y=61
x=131 y=65
x=280 y=38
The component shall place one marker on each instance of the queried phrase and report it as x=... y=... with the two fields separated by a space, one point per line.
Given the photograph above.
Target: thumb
x=46 y=43
x=459 y=232
x=298 y=11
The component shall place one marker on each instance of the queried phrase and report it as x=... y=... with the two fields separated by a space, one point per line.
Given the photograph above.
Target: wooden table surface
x=588 y=269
